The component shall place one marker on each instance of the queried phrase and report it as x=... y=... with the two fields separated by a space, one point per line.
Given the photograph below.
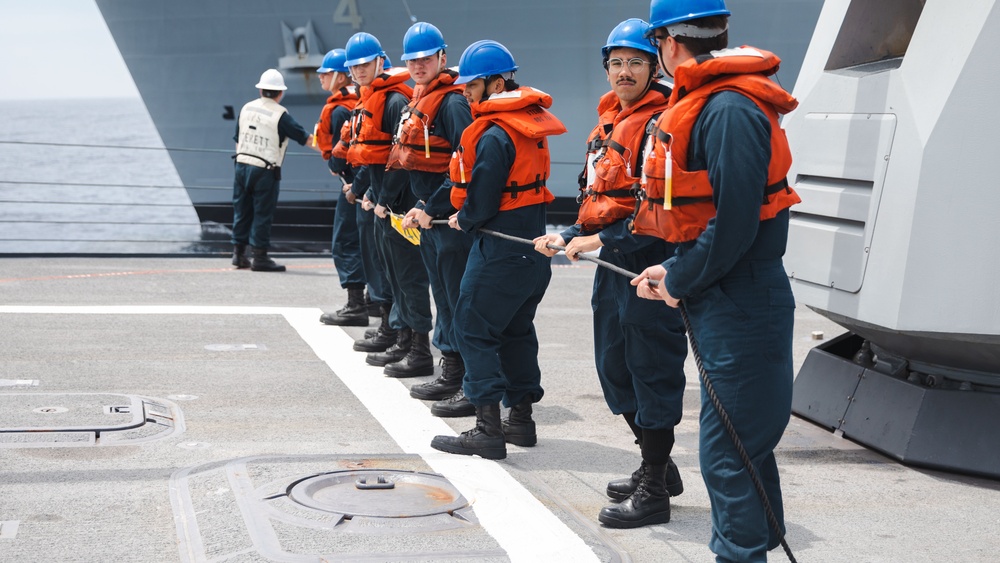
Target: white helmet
x=271 y=80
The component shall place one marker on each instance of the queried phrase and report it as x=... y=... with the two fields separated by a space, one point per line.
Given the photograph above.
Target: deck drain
x=377 y=493
x=50 y=410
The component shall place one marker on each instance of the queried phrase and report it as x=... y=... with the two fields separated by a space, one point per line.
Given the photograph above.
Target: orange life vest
x=344 y=144
x=417 y=147
x=744 y=70
x=523 y=116
x=369 y=143
x=346 y=97
x=614 y=145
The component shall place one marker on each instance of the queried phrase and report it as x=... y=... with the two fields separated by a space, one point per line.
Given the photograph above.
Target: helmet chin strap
x=649 y=81
x=659 y=56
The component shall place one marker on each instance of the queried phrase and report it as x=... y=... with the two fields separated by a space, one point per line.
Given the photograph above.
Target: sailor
x=384 y=95
x=379 y=292
x=499 y=170
x=431 y=127
x=716 y=187
x=262 y=131
x=346 y=246
x=639 y=349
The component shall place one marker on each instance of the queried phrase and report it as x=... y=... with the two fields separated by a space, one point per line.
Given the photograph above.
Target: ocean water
x=68 y=186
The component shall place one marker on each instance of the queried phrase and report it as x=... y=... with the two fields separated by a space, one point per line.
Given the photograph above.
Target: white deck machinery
x=896 y=154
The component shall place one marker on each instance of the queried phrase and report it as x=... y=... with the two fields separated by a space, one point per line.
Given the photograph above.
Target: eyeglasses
x=634 y=64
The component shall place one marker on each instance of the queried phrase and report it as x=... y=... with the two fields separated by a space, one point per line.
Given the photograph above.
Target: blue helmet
x=386 y=63
x=484 y=58
x=630 y=33
x=669 y=12
x=334 y=62
x=422 y=40
x=361 y=48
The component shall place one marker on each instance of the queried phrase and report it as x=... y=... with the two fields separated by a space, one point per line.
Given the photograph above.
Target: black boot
x=354 y=313
x=656 y=445
x=452 y=370
x=485 y=440
x=384 y=337
x=240 y=259
x=453 y=407
x=518 y=428
x=648 y=504
x=620 y=489
x=262 y=262
x=418 y=362
x=370 y=333
x=396 y=352
x=374 y=309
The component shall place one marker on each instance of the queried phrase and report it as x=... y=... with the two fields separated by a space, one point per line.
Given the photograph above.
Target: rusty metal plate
x=378 y=493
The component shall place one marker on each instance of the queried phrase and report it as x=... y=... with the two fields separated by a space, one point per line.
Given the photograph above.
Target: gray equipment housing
x=893 y=145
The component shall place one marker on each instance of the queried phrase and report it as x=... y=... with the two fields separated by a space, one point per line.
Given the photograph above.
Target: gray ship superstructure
x=894 y=150
x=195 y=64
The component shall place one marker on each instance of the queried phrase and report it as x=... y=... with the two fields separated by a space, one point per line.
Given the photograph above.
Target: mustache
x=625 y=81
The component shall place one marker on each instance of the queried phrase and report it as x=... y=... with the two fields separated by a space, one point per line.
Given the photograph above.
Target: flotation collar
x=347 y=98
x=417 y=146
x=522 y=114
x=687 y=193
x=369 y=143
x=615 y=144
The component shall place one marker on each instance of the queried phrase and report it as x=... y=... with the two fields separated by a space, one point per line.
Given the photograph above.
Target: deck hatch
x=84 y=419
x=378 y=493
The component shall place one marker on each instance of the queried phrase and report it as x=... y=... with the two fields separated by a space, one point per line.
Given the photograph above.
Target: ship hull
x=195 y=65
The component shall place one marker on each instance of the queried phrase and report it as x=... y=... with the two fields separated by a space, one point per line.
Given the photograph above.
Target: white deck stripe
x=522 y=526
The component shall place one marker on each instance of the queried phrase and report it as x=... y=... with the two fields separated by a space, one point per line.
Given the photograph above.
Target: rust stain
x=436 y=494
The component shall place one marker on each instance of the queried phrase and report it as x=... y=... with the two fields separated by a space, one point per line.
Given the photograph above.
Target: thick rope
x=731 y=430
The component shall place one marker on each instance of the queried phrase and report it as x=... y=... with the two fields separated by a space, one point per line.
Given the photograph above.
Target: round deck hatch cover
x=378 y=493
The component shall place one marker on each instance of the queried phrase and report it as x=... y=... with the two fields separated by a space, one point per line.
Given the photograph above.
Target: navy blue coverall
x=639 y=346
x=737 y=294
x=378 y=285
x=255 y=190
x=400 y=259
x=346 y=244
x=445 y=251
x=503 y=284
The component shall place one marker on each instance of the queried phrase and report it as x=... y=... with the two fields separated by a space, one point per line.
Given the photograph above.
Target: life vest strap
x=775 y=188
x=680 y=200
x=515 y=189
x=618 y=148
x=631 y=192
x=421 y=148
x=267 y=165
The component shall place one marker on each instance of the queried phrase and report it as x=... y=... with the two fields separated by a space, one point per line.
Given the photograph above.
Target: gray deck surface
x=248 y=392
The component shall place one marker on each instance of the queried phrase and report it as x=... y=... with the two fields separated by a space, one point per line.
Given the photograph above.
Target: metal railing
x=43 y=216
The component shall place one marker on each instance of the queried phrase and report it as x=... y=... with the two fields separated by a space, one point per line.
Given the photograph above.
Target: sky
x=59 y=49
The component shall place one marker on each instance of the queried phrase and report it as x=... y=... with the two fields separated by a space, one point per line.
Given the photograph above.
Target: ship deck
x=165 y=409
